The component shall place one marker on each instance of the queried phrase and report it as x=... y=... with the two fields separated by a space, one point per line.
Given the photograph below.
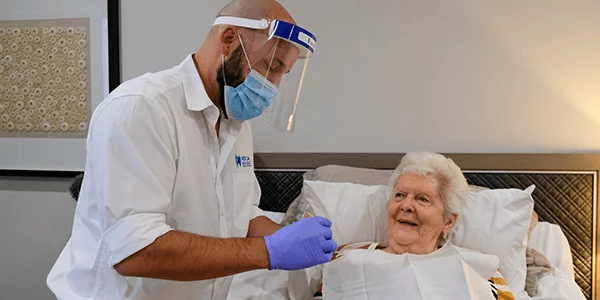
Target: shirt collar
x=193 y=88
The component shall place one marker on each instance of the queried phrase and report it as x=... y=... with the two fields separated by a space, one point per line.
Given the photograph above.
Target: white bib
x=448 y=273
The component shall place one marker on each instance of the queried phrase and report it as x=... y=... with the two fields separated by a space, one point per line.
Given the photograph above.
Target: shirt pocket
x=245 y=195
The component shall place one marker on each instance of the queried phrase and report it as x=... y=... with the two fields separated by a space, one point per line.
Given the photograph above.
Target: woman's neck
x=412 y=249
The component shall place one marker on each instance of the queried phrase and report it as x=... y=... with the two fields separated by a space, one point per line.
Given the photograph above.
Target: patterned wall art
x=45 y=78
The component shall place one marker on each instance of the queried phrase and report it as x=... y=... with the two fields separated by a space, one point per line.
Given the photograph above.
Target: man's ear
x=228 y=40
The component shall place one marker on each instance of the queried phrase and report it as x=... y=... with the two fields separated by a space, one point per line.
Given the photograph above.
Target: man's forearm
x=262 y=226
x=184 y=256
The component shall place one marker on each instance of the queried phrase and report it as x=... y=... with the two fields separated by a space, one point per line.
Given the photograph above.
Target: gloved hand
x=301 y=245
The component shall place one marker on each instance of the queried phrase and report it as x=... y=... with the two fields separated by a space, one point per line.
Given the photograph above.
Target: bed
x=565 y=195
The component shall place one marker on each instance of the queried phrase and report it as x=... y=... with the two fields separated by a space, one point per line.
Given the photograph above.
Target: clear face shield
x=281 y=58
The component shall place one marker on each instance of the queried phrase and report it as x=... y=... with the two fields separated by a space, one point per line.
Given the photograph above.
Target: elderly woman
x=418 y=261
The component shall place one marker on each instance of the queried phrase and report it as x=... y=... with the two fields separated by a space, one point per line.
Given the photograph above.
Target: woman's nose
x=407 y=205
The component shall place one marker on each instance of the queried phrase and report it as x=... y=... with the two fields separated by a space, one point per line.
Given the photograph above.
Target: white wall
x=36 y=215
x=447 y=76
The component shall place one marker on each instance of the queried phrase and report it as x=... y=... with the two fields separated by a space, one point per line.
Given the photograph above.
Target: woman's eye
x=424 y=199
x=399 y=195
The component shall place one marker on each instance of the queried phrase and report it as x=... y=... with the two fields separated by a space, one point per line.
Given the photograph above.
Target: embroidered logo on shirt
x=242 y=161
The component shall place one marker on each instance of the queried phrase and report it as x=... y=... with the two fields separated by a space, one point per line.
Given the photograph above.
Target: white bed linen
x=556 y=285
x=549 y=240
x=559 y=283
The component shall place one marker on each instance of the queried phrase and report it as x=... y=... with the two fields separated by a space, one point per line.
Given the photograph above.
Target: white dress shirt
x=154 y=164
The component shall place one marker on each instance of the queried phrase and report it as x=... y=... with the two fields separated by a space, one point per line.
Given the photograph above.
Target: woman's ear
x=450 y=222
x=228 y=39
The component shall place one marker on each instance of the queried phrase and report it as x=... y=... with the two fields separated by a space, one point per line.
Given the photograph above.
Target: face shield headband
x=293 y=45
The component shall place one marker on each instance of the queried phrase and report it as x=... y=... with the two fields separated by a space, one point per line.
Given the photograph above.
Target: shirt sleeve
x=256 y=210
x=132 y=164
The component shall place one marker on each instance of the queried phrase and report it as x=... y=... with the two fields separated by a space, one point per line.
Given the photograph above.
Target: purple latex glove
x=301 y=245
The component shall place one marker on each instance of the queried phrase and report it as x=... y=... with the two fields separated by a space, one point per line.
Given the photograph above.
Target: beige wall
x=448 y=76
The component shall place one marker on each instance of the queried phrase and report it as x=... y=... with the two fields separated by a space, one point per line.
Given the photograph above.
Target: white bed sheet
x=555 y=285
x=549 y=239
x=559 y=284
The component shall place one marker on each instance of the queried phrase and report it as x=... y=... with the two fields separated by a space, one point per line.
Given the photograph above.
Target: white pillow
x=345 y=205
x=493 y=221
x=496 y=222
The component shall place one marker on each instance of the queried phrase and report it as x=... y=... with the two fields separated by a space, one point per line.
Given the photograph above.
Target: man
x=168 y=207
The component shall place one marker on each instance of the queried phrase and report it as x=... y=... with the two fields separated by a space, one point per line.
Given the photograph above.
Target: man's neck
x=209 y=79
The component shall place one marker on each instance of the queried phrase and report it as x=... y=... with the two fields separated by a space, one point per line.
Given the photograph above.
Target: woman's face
x=416 y=216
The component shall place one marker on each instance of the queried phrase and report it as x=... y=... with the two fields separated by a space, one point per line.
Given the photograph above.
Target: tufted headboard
x=565 y=194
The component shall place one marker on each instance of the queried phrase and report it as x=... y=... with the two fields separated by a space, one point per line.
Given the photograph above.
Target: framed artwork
x=58 y=60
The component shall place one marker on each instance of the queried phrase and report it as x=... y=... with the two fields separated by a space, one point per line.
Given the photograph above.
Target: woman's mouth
x=407 y=222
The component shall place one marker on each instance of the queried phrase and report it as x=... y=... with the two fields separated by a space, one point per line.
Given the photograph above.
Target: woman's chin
x=403 y=239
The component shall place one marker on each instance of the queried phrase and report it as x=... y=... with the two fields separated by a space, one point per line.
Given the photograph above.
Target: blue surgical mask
x=252 y=97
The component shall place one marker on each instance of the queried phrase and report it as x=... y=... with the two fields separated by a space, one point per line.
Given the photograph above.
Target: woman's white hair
x=447 y=176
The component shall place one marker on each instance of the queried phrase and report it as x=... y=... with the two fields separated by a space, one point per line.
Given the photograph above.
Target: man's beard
x=232 y=70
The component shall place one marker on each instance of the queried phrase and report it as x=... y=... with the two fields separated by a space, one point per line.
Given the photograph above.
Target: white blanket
x=555 y=285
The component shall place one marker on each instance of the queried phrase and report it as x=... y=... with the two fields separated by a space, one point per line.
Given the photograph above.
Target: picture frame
x=114 y=44
x=62 y=62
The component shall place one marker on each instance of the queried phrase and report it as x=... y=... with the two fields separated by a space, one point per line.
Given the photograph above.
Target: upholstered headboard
x=565 y=194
